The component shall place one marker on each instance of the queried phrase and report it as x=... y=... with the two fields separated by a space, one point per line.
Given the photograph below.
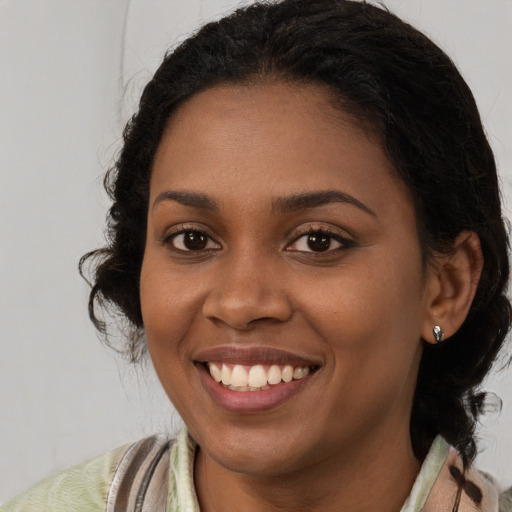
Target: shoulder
x=480 y=492
x=506 y=500
x=81 y=487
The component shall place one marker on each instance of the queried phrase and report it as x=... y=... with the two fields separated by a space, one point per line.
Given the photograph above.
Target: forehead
x=270 y=139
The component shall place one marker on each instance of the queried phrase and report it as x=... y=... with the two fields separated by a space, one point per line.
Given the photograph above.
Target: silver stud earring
x=438 y=333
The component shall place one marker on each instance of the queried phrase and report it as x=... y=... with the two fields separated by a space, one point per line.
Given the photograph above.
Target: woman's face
x=280 y=243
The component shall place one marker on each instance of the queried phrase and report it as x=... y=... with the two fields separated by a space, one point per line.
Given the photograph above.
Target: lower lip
x=245 y=402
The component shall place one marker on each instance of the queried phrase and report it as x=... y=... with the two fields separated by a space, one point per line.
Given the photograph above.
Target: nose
x=246 y=292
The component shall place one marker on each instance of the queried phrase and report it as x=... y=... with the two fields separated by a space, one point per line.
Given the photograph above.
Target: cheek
x=364 y=298
x=168 y=299
x=372 y=335
x=370 y=316
x=165 y=318
x=167 y=315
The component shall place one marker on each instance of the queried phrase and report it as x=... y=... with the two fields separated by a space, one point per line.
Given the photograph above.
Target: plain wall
x=71 y=73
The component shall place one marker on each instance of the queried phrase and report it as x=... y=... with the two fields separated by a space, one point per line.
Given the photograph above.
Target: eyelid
x=332 y=232
x=335 y=233
x=180 y=229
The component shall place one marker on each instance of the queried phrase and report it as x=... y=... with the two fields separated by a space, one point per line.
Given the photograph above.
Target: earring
x=438 y=333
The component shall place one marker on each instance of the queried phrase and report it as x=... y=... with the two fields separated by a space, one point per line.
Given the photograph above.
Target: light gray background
x=70 y=74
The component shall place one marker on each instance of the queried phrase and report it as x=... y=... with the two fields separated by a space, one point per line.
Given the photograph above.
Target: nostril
x=244 y=311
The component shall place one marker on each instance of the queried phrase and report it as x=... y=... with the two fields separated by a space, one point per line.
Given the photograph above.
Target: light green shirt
x=85 y=487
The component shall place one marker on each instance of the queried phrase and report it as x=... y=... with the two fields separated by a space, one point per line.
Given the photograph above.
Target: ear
x=452 y=281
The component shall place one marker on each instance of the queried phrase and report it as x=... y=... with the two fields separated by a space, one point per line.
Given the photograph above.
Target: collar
x=434 y=490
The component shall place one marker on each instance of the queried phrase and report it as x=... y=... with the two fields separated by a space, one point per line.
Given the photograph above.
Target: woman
x=306 y=235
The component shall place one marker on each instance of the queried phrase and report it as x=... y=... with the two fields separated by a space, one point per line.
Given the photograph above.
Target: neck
x=375 y=476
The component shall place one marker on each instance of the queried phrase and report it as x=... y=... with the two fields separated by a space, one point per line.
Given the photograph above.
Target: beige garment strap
x=506 y=501
x=140 y=482
x=480 y=492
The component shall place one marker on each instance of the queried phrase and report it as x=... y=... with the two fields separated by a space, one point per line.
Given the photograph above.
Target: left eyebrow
x=310 y=200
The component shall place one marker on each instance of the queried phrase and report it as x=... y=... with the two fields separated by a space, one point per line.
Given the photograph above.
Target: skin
x=357 y=310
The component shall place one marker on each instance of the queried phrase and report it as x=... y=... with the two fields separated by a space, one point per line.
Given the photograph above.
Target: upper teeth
x=255 y=378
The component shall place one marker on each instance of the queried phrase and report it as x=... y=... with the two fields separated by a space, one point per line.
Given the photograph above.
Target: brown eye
x=192 y=241
x=319 y=242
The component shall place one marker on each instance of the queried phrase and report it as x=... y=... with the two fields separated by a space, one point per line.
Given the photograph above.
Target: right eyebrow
x=191 y=199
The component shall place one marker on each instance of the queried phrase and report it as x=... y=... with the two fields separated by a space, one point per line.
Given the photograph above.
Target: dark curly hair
x=404 y=90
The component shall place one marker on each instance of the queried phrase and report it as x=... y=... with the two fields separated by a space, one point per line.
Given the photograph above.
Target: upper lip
x=253 y=355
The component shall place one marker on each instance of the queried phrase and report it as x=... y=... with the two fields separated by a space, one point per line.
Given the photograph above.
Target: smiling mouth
x=259 y=377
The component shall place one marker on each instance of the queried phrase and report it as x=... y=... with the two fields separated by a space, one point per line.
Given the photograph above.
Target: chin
x=260 y=453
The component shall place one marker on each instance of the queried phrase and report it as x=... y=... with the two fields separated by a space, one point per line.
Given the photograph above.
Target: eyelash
x=331 y=234
x=187 y=230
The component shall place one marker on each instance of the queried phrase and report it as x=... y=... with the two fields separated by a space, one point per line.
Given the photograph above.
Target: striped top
x=156 y=475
